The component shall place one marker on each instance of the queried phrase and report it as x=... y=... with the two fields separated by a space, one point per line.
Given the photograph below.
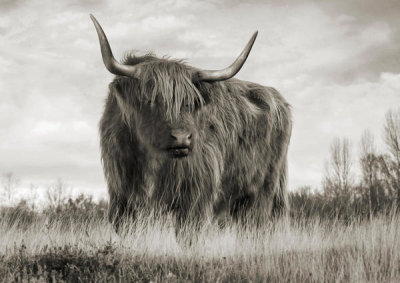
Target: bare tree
x=392 y=134
x=9 y=183
x=57 y=194
x=392 y=161
x=370 y=169
x=338 y=176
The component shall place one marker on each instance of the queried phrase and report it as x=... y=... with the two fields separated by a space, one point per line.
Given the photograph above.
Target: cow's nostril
x=189 y=136
x=173 y=137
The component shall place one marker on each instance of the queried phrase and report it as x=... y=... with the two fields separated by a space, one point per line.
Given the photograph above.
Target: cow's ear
x=204 y=92
x=119 y=91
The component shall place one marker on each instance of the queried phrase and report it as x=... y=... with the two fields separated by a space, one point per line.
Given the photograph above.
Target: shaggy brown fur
x=241 y=132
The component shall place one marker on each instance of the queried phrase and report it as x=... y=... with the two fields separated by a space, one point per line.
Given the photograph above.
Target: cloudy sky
x=336 y=62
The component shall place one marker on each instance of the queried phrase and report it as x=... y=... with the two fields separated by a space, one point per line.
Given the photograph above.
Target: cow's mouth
x=179 y=152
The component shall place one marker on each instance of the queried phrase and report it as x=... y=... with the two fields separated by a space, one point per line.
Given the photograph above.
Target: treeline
x=56 y=206
x=81 y=209
x=343 y=195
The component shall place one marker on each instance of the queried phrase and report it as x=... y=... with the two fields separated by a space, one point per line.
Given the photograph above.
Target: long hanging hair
x=232 y=122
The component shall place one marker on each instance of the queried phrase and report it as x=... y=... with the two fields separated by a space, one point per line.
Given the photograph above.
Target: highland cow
x=197 y=143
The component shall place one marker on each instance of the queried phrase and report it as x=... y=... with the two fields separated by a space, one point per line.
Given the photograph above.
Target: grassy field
x=285 y=251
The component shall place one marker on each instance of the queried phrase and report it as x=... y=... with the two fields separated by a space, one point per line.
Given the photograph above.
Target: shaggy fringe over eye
x=167 y=82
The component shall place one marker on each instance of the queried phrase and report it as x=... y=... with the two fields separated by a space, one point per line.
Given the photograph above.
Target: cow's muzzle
x=179 y=152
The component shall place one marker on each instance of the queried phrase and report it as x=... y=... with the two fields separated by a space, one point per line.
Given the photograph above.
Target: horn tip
x=92 y=18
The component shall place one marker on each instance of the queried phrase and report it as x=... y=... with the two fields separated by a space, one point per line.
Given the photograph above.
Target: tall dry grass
x=283 y=251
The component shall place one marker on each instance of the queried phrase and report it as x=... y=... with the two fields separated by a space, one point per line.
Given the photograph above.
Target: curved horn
x=229 y=72
x=111 y=64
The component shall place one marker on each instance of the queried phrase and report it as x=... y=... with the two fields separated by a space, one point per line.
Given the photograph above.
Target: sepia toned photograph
x=199 y=141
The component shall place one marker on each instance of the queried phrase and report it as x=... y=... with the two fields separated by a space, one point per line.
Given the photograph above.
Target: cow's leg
x=186 y=230
x=273 y=200
x=221 y=212
x=189 y=222
x=244 y=204
x=240 y=207
x=120 y=210
x=280 y=206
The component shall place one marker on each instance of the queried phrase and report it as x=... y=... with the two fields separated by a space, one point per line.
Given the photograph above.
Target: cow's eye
x=185 y=107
